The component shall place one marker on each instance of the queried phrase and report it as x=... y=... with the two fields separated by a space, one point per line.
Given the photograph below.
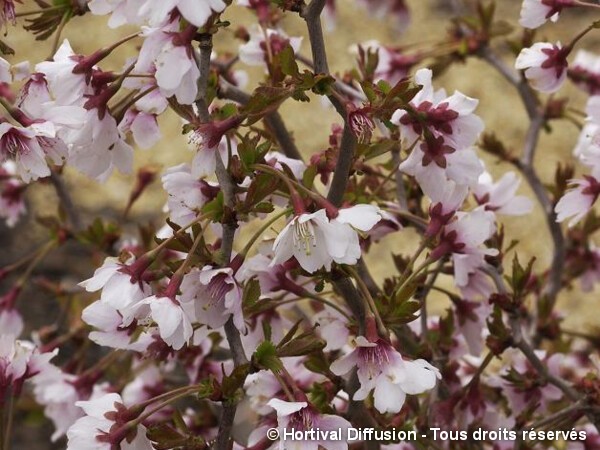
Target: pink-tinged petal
x=573 y=204
x=389 y=397
x=171 y=65
x=420 y=376
x=345 y=364
x=197 y=12
x=362 y=217
x=284 y=408
x=145 y=130
x=100 y=406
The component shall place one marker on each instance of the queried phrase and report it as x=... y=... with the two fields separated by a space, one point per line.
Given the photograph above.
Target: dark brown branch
x=342 y=168
x=222 y=441
x=203 y=61
x=312 y=15
x=66 y=201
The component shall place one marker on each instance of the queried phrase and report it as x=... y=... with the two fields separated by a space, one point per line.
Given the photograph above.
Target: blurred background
x=311 y=123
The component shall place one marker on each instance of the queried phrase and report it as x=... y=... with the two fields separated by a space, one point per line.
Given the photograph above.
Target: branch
x=203 y=62
x=400 y=188
x=526 y=166
x=312 y=15
x=222 y=441
x=527 y=95
x=342 y=168
x=65 y=200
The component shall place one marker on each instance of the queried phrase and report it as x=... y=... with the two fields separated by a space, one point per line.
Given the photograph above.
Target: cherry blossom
x=264 y=44
x=12 y=202
x=215 y=295
x=301 y=416
x=535 y=13
x=585 y=71
x=463 y=239
x=102 y=427
x=382 y=370
x=545 y=65
x=315 y=241
x=120 y=283
x=500 y=196
x=576 y=203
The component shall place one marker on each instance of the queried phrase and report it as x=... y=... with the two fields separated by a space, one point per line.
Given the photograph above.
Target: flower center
x=304 y=237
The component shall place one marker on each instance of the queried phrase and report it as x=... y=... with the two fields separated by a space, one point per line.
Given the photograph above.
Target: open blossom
x=66 y=87
x=120 y=284
x=110 y=331
x=265 y=44
x=134 y=12
x=167 y=52
x=500 y=196
x=301 y=416
x=463 y=239
x=99 y=147
x=316 y=241
x=104 y=426
x=187 y=194
x=535 y=13
x=585 y=71
x=576 y=203
x=445 y=153
x=215 y=294
x=173 y=319
x=451 y=118
x=12 y=204
x=545 y=65
x=382 y=370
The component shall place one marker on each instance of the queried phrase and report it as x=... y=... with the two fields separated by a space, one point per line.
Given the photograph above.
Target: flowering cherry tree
x=249 y=303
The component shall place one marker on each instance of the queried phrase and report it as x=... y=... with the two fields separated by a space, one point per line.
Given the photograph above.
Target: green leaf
x=266 y=357
x=287 y=61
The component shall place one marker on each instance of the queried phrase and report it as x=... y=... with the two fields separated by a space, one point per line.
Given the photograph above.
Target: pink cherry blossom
x=315 y=241
x=215 y=295
x=264 y=44
x=577 y=201
x=99 y=147
x=585 y=72
x=301 y=416
x=110 y=330
x=463 y=239
x=172 y=317
x=102 y=427
x=23 y=147
x=501 y=196
x=186 y=193
x=120 y=284
x=535 y=13
x=545 y=65
x=382 y=370
x=12 y=202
